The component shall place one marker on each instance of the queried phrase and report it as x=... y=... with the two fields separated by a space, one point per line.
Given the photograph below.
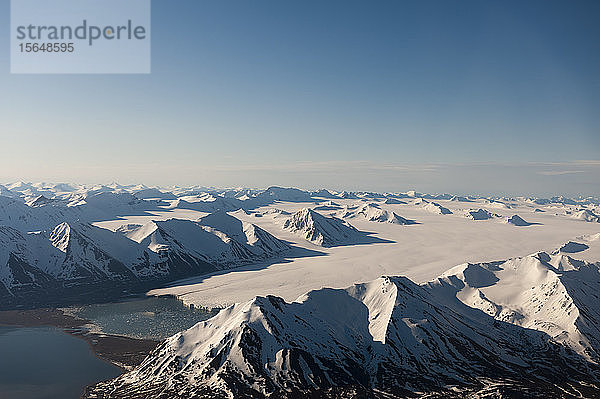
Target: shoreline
x=123 y=352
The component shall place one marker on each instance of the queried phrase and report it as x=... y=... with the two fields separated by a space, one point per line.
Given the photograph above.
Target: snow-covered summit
x=374 y=213
x=480 y=214
x=54 y=262
x=389 y=337
x=284 y=194
x=218 y=238
x=321 y=230
x=553 y=294
x=586 y=215
x=432 y=207
x=517 y=220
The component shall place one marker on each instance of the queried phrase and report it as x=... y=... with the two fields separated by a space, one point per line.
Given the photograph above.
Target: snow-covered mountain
x=459 y=198
x=385 y=338
x=517 y=220
x=218 y=239
x=323 y=193
x=153 y=193
x=212 y=204
x=45 y=267
x=480 y=214
x=322 y=230
x=40 y=200
x=327 y=206
x=5 y=192
x=258 y=240
x=14 y=212
x=433 y=207
x=103 y=204
x=87 y=253
x=49 y=263
x=554 y=294
x=272 y=194
x=393 y=201
x=571 y=247
x=374 y=213
x=43 y=213
x=586 y=215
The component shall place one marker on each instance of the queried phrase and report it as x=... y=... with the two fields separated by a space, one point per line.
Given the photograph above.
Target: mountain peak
x=60 y=236
x=398 y=339
x=550 y=293
x=319 y=229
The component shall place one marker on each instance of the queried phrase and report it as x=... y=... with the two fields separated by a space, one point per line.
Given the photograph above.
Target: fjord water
x=143 y=318
x=45 y=362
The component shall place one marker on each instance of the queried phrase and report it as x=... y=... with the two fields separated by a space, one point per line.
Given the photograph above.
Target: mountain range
x=393 y=338
x=56 y=265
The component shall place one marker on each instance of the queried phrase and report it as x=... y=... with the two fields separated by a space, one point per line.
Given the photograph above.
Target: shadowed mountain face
x=554 y=294
x=587 y=216
x=524 y=327
x=77 y=261
x=518 y=221
x=433 y=207
x=326 y=231
x=373 y=213
x=386 y=337
x=573 y=247
x=57 y=266
x=321 y=230
x=480 y=214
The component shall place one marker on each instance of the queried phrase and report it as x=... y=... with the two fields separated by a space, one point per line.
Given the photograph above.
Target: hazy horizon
x=543 y=173
x=470 y=97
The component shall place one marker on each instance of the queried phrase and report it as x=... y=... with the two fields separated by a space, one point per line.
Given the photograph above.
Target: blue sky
x=458 y=96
